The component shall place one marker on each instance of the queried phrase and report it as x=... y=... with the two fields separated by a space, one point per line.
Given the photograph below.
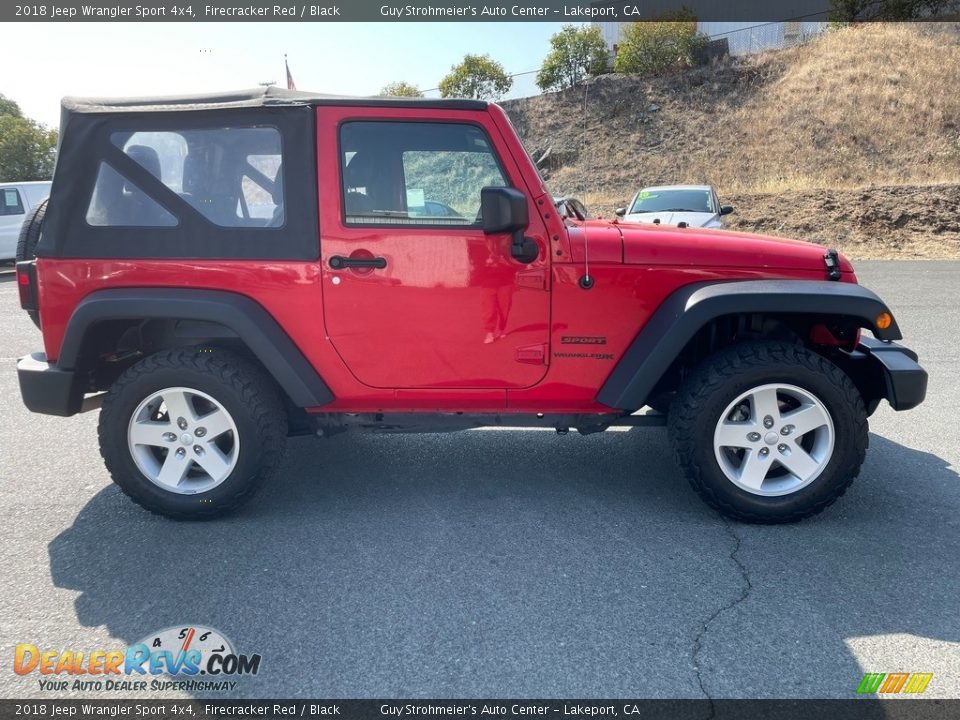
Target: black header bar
x=571 y=11
x=623 y=709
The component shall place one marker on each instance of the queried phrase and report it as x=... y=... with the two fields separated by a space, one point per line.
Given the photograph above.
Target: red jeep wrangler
x=221 y=272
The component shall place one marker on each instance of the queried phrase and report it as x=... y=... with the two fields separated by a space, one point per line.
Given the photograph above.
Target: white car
x=16 y=200
x=684 y=205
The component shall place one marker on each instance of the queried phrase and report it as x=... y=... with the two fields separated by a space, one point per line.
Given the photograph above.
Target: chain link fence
x=747 y=38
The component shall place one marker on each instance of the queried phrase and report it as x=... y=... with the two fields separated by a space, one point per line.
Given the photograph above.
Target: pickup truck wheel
x=191 y=433
x=769 y=432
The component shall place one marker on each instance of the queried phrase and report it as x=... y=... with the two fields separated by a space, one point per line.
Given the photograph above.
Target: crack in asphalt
x=744 y=594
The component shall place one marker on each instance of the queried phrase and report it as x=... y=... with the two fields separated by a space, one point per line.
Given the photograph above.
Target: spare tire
x=30 y=232
x=27 y=243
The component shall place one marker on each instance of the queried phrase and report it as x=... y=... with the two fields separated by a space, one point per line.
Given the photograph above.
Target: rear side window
x=413 y=173
x=237 y=183
x=12 y=202
x=118 y=202
x=231 y=176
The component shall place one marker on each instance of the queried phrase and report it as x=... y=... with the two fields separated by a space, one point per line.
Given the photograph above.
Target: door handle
x=338 y=262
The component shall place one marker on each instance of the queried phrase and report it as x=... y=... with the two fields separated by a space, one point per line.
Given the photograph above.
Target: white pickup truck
x=16 y=200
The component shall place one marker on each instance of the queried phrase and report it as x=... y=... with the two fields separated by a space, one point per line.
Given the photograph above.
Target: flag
x=291 y=85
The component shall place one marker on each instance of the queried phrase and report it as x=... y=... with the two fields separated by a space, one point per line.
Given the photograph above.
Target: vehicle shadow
x=522 y=564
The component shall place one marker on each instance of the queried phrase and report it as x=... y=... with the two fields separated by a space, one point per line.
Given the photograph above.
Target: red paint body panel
x=594 y=242
x=645 y=244
x=453 y=322
x=615 y=309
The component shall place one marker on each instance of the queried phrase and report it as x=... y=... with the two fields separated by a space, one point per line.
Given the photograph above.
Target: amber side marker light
x=883 y=321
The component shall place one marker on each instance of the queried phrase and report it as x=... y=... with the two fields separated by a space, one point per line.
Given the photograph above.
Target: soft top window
x=217 y=183
x=231 y=176
x=117 y=202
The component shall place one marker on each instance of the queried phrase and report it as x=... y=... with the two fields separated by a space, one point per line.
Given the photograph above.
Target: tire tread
x=254 y=389
x=721 y=369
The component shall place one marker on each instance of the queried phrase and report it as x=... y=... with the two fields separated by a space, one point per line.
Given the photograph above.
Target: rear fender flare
x=262 y=334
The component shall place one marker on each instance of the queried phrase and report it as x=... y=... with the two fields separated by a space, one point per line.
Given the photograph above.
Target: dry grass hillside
x=852 y=139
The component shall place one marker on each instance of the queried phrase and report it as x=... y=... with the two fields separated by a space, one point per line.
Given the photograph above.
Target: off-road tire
x=720 y=379
x=30 y=232
x=27 y=242
x=250 y=397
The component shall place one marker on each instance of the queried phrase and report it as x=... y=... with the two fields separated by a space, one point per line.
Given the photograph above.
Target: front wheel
x=769 y=432
x=191 y=433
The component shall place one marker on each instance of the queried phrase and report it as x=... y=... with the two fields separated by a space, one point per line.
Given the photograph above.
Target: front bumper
x=47 y=389
x=888 y=370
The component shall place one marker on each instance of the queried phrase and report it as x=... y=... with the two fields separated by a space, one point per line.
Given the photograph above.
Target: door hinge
x=532 y=354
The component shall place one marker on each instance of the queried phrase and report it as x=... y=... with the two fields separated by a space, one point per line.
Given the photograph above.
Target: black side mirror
x=726 y=209
x=620 y=212
x=505 y=210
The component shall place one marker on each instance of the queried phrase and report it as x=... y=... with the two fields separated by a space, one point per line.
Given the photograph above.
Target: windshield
x=687 y=200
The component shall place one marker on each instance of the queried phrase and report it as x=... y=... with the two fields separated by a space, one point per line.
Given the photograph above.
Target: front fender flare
x=689 y=308
x=248 y=319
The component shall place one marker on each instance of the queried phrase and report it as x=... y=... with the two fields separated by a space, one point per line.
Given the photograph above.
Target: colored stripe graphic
x=892 y=683
x=918 y=682
x=870 y=683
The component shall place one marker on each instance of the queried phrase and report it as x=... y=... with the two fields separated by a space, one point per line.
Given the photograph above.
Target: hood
x=693 y=219
x=647 y=244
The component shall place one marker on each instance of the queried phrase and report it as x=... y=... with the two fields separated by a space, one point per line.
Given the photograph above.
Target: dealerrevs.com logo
x=187 y=658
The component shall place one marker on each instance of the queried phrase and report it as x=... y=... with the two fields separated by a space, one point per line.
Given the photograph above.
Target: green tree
x=654 y=47
x=27 y=149
x=400 y=89
x=9 y=107
x=477 y=77
x=576 y=53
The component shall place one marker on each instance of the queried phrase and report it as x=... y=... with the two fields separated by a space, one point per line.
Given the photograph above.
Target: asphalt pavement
x=504 y=563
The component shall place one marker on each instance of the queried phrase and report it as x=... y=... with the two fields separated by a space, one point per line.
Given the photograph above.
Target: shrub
x=477 y=77
x=655 y=47
x=576 y=53
x=400 y=89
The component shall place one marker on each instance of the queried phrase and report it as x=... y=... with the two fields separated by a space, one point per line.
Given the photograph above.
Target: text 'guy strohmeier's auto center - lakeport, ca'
x=296 y=11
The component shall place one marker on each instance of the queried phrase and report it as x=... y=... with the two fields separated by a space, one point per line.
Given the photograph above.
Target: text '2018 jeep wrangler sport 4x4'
x=221 y=272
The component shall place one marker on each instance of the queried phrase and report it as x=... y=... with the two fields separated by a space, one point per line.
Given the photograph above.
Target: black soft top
x=92 y=137
x=258 y=97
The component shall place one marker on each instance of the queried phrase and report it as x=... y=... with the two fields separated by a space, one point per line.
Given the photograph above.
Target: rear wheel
x=769 y=432
x=191 y=433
